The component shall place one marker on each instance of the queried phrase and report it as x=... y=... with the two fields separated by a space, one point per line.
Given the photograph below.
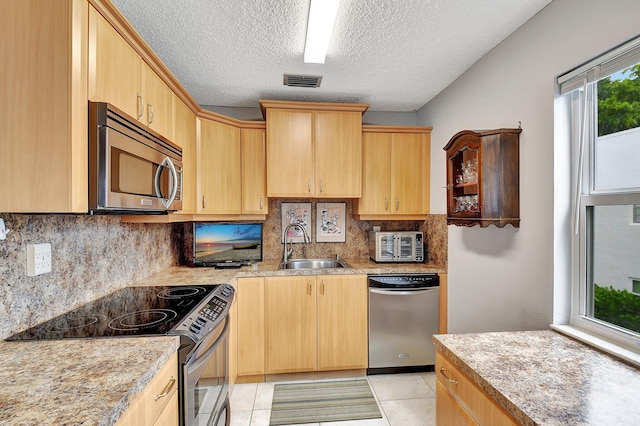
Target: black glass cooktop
x=131 y=311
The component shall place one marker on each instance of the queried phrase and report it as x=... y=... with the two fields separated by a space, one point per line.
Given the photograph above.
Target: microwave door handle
x=174 y=180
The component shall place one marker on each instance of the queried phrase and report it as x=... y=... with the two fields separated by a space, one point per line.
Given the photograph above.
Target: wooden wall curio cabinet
x=483 y=178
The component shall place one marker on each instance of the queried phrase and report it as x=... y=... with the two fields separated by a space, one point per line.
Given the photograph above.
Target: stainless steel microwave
x=401 y=246
x=132 y=169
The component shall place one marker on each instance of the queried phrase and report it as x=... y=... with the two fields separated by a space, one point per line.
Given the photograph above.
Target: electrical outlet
x=38 y=259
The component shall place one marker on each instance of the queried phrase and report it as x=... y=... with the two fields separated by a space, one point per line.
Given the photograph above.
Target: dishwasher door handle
x=403 y=292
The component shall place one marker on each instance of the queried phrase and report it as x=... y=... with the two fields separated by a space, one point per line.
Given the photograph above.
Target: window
x=605 y=115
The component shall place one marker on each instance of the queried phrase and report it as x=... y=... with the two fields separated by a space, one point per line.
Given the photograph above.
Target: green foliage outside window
x=618 y=307
x=619 y=102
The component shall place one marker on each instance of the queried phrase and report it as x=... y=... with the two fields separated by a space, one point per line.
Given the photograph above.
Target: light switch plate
x=38 y=259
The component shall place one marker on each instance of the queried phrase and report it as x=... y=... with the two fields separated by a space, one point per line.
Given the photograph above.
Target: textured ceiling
x=395 y=55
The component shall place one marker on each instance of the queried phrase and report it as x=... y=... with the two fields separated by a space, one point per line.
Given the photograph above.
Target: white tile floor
x=403 y=399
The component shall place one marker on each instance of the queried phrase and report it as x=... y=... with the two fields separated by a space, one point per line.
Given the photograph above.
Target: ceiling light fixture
x=322 y=16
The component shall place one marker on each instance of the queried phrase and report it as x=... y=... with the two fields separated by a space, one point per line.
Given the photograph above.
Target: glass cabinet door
x=463 y=182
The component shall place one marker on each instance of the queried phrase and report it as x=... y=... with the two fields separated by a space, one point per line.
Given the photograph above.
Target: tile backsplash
x=91 y=256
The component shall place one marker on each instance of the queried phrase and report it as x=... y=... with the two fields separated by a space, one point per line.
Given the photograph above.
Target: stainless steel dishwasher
x=403 y=317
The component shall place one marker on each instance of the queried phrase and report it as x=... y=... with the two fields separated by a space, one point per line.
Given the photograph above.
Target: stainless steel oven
x=205 y=381
x=198 y=314
x=132 y=169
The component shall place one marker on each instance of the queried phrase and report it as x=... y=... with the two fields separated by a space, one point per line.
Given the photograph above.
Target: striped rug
x=330 y=401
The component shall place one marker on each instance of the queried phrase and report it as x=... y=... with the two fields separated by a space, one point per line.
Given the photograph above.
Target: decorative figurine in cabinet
x=483 y=178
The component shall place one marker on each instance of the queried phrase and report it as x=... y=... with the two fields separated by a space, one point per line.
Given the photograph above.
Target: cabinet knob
x=150 y=113
x=166 y=389
x=140 y=106
x=450 y=380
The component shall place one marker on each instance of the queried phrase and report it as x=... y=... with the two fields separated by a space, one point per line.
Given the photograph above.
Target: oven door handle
x=194 y=364
x=174 y=181
x=403 y=292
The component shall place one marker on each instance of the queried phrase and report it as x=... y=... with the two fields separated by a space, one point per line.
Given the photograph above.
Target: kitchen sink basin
x=313 y=264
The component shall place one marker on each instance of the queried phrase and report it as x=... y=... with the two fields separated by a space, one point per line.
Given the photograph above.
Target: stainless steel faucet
x=287 y=252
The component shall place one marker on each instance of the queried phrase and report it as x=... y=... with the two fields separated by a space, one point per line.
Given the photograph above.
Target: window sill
x=598 y=343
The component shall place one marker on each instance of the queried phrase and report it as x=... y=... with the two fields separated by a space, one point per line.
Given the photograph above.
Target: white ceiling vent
x=293 y=80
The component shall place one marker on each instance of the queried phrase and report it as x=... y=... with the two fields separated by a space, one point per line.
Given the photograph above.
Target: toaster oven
x=402 y=246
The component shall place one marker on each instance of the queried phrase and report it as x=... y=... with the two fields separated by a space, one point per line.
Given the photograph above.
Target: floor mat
x=326 y=401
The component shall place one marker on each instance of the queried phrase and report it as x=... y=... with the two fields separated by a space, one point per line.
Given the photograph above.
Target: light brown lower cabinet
x=250 y=327
x=157 y=404
x=315 y=323
x=459 y=401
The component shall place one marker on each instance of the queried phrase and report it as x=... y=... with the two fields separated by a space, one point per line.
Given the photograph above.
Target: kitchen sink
x=313 y=264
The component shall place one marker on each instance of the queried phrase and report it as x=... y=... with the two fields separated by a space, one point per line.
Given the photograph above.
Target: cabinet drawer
x=147 y=407
x=471 y=397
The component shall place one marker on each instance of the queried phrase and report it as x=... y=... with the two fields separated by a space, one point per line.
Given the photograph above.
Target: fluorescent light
x=322 y=16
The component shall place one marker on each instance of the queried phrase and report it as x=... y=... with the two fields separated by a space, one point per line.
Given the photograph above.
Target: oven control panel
x=208 y=314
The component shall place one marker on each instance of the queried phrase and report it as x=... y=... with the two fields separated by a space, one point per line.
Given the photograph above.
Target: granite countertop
x=76 y=382
x=546 y=378
x=185 y=275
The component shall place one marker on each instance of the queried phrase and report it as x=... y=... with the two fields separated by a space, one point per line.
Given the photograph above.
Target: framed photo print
x=299 y=213
x=330 y=223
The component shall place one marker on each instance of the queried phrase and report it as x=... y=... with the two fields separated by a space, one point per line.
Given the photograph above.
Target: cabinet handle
x=261 y=203
x=166 y=389
x=151 y=114
x=309 y=185
x=204 y=202
x=453 y=382
x=320 y=185
x=309 y=288
x=140 y=106
x=322 y=287
x=397 y=203
x=386 y=203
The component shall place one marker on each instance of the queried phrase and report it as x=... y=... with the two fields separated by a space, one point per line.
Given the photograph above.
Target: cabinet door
x=219 y=168
x=254 y=184
x=114 y=67
x=290 y=324
x=406 y=173
x=448 y=411
x=342 y=322
x=338 y=150
x=43 y=125
x=290 y=171
x=157 y=102
x=250 y=301
x=376 y=173
x=184 y=134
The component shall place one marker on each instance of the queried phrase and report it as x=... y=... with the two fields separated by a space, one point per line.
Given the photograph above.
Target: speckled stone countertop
x=185 y=275
x=546 y=378
x=76 y=382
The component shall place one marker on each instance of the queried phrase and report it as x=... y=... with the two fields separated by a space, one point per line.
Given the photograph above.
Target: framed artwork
x=299 y=213
x=330 y=223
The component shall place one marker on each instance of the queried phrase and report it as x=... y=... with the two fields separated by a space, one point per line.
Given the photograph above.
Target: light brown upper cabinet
x=44 y=120
x=313 y=149
x=395 y=170
x=254 y=174
x=219 y=168
x=118 y=75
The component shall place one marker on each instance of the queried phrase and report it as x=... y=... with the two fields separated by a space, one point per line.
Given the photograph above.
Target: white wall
x=502 y=279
